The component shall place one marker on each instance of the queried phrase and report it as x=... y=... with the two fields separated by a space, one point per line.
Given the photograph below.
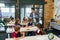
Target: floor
x=56 y=32
x=2 y=36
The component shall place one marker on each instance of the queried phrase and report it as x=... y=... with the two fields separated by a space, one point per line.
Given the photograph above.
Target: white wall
x=57 y=9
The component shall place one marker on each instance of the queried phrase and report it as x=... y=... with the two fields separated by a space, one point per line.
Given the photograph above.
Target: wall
x=48 y=12
x=57 y=9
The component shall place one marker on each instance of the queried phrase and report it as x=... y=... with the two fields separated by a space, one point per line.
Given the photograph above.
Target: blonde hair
x=30 y=19
x=25 y=19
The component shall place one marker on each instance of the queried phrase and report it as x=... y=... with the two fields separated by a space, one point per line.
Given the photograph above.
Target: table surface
x=23 y=29
x=38 y=37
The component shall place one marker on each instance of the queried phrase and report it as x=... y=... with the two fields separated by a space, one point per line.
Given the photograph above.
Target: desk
x=23 y=29
x=38 y=37
x=8 y=24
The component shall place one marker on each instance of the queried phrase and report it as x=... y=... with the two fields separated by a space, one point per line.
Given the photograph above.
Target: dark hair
x=33 y=8
x=24 y=19
x=38 y=25
x=12 y=18
x=52 y=20
x=16 y=22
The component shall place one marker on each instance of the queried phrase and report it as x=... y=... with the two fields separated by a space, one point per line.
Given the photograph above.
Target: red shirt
x=15 y=35
x=39 y=33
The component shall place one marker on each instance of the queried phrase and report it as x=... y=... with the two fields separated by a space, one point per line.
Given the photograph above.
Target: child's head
x=38 y=25
x=25 y=19
x=30 y=19
x=17 y=21
x=17 y=29
x=12 y=19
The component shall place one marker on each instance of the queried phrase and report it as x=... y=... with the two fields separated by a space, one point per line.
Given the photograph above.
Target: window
x=28 y=11
x=2 y=5
x=6 y=11
x=25 y=11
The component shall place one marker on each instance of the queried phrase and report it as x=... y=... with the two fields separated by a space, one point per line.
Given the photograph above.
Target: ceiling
x=13 y=2
x=31 y=1
x=7 y=1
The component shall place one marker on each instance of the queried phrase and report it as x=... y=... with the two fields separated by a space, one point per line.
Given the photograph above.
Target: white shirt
x=34 y=17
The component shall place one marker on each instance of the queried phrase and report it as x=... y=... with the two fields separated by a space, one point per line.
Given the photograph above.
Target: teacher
x=34 y=15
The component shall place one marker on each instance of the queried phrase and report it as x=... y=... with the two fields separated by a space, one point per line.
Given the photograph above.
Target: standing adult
x=34 y=15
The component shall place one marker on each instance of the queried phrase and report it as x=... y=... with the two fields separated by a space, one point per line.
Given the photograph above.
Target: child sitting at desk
x=25 y=21
x=17 y=32
x=39 y=30
x=12 y=21
x=17 y=22
x=30 y=22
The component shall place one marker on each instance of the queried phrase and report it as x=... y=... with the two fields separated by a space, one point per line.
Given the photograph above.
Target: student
x=17 y=32
x=17 y=22
x=39 y=30
x=12 y=21
x=25 y=21
x=30 y=22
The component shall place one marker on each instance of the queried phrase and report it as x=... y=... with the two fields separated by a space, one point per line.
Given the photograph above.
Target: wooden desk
x=38 y=37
